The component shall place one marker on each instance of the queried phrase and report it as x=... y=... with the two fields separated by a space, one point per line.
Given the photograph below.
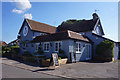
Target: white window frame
x=57 y=46
x=45 y=50
x=78 y=47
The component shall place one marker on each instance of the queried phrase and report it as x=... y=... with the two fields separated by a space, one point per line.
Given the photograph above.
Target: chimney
x=95 y=16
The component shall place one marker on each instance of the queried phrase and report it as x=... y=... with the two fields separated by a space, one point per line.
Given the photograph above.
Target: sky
x=54 y=13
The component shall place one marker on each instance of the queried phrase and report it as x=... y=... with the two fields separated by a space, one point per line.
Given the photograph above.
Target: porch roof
x=64 y=35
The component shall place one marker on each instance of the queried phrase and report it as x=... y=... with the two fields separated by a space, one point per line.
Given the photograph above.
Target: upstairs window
x=46 y=46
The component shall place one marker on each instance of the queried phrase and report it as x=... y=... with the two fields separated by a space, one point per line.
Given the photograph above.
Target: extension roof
x=61 y=36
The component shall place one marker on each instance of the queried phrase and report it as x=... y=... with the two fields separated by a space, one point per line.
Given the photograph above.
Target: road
x=14 y=72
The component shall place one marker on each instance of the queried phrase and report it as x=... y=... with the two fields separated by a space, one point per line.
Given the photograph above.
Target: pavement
x=72 y=70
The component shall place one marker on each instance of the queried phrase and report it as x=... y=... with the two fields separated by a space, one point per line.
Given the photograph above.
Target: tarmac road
x=14 y=72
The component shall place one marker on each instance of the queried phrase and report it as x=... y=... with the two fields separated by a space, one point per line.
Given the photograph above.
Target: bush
x=61 y=51
x=27 y=54
x=15 y=49
x=28 y=57
x=59 y=57
x=62 y=54
x=105 y=49
x=38 y=52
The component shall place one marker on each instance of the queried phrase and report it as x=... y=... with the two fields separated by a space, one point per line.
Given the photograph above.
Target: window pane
x=56 y=46
x=79 y=47
x=76 y=46
x=59 y=45
x=45 y=46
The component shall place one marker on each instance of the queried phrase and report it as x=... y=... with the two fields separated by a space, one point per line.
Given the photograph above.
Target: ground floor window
x=78 y=47
x=37 y=46
x=46 y=46
x=58 y=46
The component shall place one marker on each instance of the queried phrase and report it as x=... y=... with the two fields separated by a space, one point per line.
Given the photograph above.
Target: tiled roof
x=3 y=43
x=79 y=25
x=16 y=40
x=61 y=36
x=40 y=27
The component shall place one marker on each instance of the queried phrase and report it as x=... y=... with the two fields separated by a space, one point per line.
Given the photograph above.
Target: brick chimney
x=95 y=16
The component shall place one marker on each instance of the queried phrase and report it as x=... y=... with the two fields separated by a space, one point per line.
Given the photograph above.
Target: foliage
x=59 y=57
x=70 y=21
x=15 y=46
x=27 y=54
x=0 y=48
x=6 y=49
x=15 y=49
x=105 y=49
x=40 y=51
x=62 y=54
x=61 y=51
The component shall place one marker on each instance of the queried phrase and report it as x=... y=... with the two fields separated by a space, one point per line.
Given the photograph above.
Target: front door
x=88 y=52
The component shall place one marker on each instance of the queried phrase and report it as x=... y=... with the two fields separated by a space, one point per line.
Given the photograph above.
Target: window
x=46 y=46
x=37 y=46
x=78 y=47
x=57 y=46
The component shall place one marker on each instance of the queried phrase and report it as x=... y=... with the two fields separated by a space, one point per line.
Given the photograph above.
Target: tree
x=105 y=48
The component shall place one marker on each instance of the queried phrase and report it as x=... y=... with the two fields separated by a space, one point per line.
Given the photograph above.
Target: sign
x=55 y=59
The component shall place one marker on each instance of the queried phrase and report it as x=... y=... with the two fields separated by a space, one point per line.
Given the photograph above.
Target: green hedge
x=105 y=49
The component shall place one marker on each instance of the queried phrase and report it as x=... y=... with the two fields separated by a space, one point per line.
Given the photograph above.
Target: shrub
x=61 y=51
x=27 y=54
x=105 y=49
x=59 y=57
x=15 y=49
x=40 y=51
x=62 y=54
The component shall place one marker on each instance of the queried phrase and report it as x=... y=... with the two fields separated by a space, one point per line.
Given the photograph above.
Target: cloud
x=29 y=16
x=17 y=11
x=22 y=6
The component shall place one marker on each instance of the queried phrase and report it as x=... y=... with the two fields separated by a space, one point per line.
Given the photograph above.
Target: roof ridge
x=40 y=22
